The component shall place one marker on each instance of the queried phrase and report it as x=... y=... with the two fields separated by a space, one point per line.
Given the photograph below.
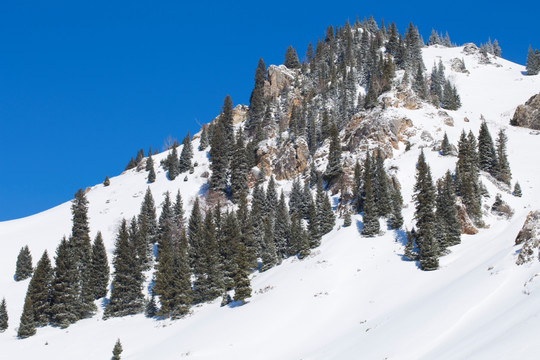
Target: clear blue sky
x=84 y=85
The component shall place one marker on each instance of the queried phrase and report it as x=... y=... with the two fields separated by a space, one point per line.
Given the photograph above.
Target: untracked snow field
x=353 y=297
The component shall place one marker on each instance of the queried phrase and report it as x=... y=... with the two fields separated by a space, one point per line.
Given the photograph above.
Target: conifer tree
x=424 y=197
x=149 y=161
x=291 y=58
x=196 y=252
x=533 y=62
x=282 y=228
x=100 y=268
x=165 y=223
x=256 y=100
x=445 y=146
x=409 y=247
x=326 y=216
x=380 y=186
x=148 y=219
x=357 y=188
x=181 y=281
x=239 y=169
x=23 y=266
x=269 y=257
x=184 y=163
x=242 y=285
x=66 y=286
x=151 y=175
x=126 y=295
x=271 y=197
x=517 y=190
x=347 y=219
x=117 y=350
x=296 y=198
x=151 y=309
x=171 y=163
x=220 y=162
x=370 y=219
x=107 y=181
x=502 y=169
x=487 y=159
x=27 y=325
x=203 y=144
x=419 y=85
x=39 y=290
x=334 y=168
x=230 y=234
x=467 y=175
x=396 y=217
x=214 y=271
x=4 y=319
x=448 y=228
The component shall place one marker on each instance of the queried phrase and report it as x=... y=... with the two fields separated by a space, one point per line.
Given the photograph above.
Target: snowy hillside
x=353 y=297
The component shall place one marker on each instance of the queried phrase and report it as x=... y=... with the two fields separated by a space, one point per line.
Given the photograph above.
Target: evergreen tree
x=151 y=175
x=296 y=198
x=196 y=252
x=370 y=219
x=131 y=164
x=171 y=163
x=126 y=295
x=166 y=222
x=214 y=272
x=27 y=325
x=357 y=188
x=291 y=59
x=409 y=247
x=487 y=159
x=151 y=309
x=23 y=266
x=239 y=169
x=148 y=219
x=107 y=181
x=271 y=197
x=445 y=146
x=314 y=231
x=99 y=271
x=326 y=216
x=467 y=182
x=334 y=168
x=347 y=220
x=517 y=190
x=424 y=196
x=282 y=228
x=39 y=290
x=448 y=228
x=380 y=184
x=269 y=257
x=117 y=350
x=229 y=235
x=502 y=169
x=66 y=286
x=396 y=217
x=256 y=100
x=419 y=85
x=220 y=162
x=533 y=62
x=242 y=285
x=149 y=161
x=203 y=144
x=4 y=319
x=184 y=164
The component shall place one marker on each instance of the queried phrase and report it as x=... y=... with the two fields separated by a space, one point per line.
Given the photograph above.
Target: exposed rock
x=408 y=100
x=466 y=119
x=470 y=49
x=291 y=160
x=529 y=236
x=467 y=226
x=239 y=114
x=501 y=208
x=279 y=78
x=426 y=136
x=458 y=65
x=447 y=119
x=528 y=115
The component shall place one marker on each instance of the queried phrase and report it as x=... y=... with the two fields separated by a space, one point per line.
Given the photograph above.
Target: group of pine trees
x=65 y=293
x=376 y=195
x=437 y=225
x=533 y=61
x=492 y=48
x=441 y=91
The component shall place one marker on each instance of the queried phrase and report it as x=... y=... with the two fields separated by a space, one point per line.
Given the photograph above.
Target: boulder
x=528 y=115
x=529 y=236
x=458 y=65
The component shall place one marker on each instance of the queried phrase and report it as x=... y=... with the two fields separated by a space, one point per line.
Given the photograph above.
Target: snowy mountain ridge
x=353 y=296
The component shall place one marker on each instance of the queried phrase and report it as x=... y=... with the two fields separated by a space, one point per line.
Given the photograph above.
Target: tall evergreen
x=445 y=146
x=149 y=162
x=229 y=235
x=99 y=271
x=380 y=184
x=107 y=181
x=370 y=218
x=291 y=58
x=256 y=100
x=357 y=188
x=184 y=163
x=4 y=319
x=23 y=266
x=282 y=227
x=214 y=273
x=502 y=169
x=326 y=216
x=271 y=197
x=181 y=280
x=334 y=168
x=39 y=290
x=314 y=232
x=467 y=181
x=448 y=228
x=269 y=253
x=487 y=158
x=239 y=169
x=66 y=286
x=533 y=62
x=296 y=198
x=242 y=284
x=424 y=196
x=126 y=296
x=171 y=163
x=517 y=190
x=27 y=325
x=396 y=217
x=117 y=350
x=196 y=251
x=148 y=220
x=219 y=162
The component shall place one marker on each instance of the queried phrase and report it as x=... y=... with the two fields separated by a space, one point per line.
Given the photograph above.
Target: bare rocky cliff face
x=529 y=236
x=528 y=115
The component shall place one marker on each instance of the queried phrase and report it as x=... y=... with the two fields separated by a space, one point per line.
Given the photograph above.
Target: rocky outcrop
x=458 y=65
x=528 y=115
x=279 y=79
x=529 y=236
x=290 y=160
x=467 y=226
x=470 y=49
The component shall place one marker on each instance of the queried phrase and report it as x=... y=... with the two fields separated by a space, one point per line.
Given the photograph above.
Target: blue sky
x=84 y=85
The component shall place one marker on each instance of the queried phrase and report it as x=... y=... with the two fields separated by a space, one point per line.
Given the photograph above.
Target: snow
x=353 y=297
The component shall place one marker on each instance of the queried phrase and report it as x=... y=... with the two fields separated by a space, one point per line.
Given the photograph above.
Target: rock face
x=291 y=160
x=279 y=79
x=528 y=115
x=458 y=65
x=529 y=236
x=467 y=226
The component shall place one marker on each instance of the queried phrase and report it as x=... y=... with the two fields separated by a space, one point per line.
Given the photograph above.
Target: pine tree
x=326 y=216
x=203 y=144
x=314 y=232
x=239 y=169
x=151 y=309
x=424 y=196
x=214 y=272
x=65 y=288
x=419 y=85
x=269 y=257
x=184 y=163
x=27 y=325
x=229 y=235
x=347 y=220
x=147 y=220
x=357 y=188
x=502 y=169
x=487 y=158
x=396 y=217
x=291 y=58
x=467 y=183
x=380 y=184
x=151 y=175
x=100 y=268
x=271 y=197
x=409 y=247
x=445 y=146
x=107 y=181
x=282 y=228
x=4 y=319
x=448 y=228
x=296 y=198
x=196 y=252
x=334 y=168
x=117 y=350
x=39 y=290
x=370 y=219
x=517 y=190
x=171 y=163
x=242 y=285
x=23 y=266
x=220 y=162
x=256 y=100
x=126 y=296
x=533 y=62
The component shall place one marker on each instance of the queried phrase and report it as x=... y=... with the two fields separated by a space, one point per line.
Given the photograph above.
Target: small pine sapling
x=3 y=316
x=117 y=350
x=517 y=190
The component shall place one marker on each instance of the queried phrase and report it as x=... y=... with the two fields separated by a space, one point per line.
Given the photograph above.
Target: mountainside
x=354 y=296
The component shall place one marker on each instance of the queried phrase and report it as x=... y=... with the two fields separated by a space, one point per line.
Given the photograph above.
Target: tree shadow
x=359 y=226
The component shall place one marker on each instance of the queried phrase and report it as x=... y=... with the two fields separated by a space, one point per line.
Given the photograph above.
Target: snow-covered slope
x=353 y=297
